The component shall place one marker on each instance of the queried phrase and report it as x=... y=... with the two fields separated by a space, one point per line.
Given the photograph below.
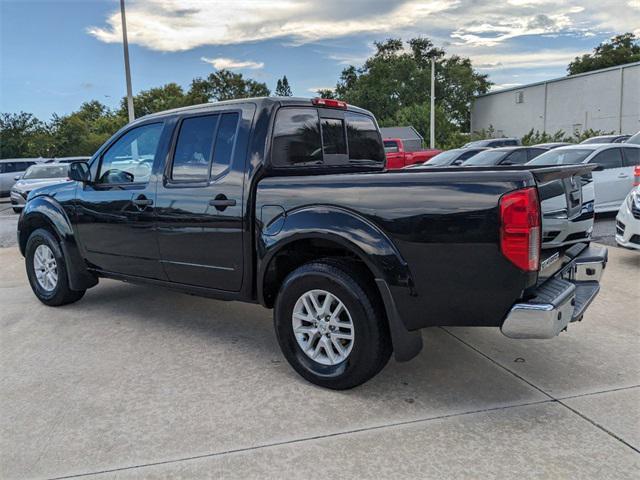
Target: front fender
x=45 y=212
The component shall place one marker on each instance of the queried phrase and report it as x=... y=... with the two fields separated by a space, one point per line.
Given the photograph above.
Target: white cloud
x=178 y=25
x=222 y=63
x=546 y=58
x=477 y=27
x=502 y=86
x=317 y=89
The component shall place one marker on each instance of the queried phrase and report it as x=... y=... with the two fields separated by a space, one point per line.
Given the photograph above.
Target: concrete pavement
x=139 y=382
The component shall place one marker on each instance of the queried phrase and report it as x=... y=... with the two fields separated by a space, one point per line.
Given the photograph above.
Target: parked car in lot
x=455 y=157
x=606 y=139
x=398 y=156
x=37 y=176
x=628 y=221
x=617 y=164
x=494 y=143
x=504 y=156
x=287 y=203
x=12 y=168
x=552 y=145
x=68 y=159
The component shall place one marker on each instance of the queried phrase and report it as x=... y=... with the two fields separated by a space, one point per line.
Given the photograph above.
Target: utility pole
x=127 y=69
x=432 y=116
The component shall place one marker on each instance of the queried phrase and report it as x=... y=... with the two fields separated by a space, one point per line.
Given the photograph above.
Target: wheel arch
x=313 y=233
x=45 y=212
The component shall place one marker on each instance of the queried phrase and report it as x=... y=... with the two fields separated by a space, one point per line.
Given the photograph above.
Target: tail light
x=636 y=176
x=329 y=102
x=520 y=228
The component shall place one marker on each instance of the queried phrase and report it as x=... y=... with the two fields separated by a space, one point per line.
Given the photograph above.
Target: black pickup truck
x=286 y=202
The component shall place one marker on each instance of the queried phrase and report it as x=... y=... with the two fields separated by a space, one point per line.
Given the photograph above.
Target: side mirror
x=599 y=168
x=80 y=172
x=17 y=177
x=457 y=162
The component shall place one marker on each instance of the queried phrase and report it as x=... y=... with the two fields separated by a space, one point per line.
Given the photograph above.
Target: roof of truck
x=290 y=101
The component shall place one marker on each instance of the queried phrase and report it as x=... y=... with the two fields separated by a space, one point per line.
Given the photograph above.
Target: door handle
x=142 y=201
x=221 y=202
x=622 y=175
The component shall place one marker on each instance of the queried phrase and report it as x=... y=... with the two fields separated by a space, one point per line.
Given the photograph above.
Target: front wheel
x=46 y=270
x=331 y=326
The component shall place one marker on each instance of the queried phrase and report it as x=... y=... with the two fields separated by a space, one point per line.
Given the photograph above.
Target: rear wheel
x=16 y=210
x=46 y=270
x=330 y=325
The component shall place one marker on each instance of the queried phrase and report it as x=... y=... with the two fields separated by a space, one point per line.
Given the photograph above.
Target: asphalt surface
x=140 y=382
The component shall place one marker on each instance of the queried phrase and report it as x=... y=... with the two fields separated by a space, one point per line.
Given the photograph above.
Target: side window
x=609 y=158
x=193 y=149
x=363 y=139
x=391 y=147
x=467 y=155
x=296 y=138
x=225 y=140
x=22 y=166
x=333 y=141
x=131 y=157
x=9 y=167
x=518 y=157
x=631 y=156
x=534 y=152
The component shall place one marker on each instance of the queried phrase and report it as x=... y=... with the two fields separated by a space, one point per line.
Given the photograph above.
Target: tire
x=363 y=356
x=16 y=210
x=42 y=244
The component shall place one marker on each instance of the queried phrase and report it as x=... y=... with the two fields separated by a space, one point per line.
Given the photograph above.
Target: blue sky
x=54 y=55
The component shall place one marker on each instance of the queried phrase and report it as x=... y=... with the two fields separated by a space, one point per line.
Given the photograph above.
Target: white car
x=628 y=221
x=619 y=163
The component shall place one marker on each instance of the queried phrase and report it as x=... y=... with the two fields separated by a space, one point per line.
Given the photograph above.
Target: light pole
x=127 y=69
x=432 y=116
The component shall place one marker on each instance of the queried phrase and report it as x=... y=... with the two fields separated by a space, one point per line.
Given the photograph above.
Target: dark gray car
x=504 y=156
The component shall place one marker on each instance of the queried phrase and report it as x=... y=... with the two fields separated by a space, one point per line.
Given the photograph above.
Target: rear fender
x=357 y=235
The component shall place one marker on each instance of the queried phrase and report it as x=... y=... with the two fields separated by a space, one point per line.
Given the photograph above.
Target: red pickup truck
x=399 y=157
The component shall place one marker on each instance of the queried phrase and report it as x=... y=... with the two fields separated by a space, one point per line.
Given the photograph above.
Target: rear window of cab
x=309 y=137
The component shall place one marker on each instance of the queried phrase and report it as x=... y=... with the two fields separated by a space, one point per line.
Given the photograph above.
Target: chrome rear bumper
x=560 y=300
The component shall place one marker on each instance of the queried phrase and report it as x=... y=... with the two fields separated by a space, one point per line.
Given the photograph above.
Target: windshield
x=46 y=171
x=561 y=156
x=444 y=158
x=488 y=157
x=635 y=139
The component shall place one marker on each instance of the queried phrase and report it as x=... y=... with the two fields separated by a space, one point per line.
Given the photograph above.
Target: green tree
x=84 y=131
x=21 y=135
x=225 y=85
x=156 y=99
x=326 y=93
x=282 y=88
x=619 y=50
x=395 y=78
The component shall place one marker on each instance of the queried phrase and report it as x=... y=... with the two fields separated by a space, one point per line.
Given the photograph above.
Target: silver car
x=37 y=176
x=10 y=168
x=613 y=180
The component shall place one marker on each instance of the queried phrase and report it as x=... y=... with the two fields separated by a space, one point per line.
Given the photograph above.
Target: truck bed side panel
x=444 y=224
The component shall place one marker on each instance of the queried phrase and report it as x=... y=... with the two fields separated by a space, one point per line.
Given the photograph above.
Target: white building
x=607 y=100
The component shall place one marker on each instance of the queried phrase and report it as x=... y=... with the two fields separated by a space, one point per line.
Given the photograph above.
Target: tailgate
x=567 y=202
